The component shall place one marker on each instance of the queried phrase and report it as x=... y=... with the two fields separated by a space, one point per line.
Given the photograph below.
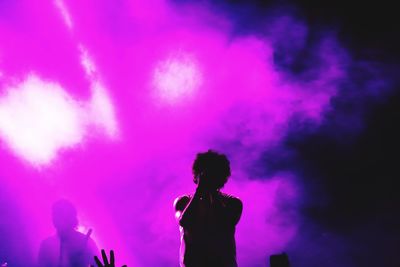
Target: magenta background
x=124 y=186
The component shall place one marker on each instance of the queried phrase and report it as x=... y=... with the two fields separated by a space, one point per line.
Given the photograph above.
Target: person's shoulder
x=230 y=197
x=232 y=200
x=84 y=238
x=92 y=246
x=181 y=202
x=79 y=235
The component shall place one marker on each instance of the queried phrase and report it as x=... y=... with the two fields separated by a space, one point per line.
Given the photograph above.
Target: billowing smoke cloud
x=163 y=81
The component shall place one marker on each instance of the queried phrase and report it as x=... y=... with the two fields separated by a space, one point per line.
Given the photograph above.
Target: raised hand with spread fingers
x=105 y=260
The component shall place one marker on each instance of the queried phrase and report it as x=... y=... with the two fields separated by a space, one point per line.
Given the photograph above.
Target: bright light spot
x=38 y=118
x=177 y=78
x=64 y=12
x=102 y=111
x=86 y=61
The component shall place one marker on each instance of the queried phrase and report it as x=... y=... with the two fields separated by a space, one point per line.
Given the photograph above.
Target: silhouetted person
x=208 y=218
x=68 y=248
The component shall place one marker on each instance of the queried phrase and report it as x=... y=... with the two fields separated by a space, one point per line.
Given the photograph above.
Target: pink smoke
x=151 y=85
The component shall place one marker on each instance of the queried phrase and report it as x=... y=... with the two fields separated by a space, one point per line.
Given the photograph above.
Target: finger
x=105 y=260
x=112 y=258
x=98 y=262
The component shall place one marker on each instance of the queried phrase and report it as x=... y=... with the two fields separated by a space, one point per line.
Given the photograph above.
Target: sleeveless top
x=209 y=240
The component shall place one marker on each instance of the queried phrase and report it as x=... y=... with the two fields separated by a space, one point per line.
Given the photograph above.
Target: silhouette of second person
x=68 y=248
x=208 y=218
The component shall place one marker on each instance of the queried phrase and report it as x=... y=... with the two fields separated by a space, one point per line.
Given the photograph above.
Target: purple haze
x=106 y=103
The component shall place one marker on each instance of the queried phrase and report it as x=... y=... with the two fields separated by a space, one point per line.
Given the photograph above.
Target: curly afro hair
x=215 y=167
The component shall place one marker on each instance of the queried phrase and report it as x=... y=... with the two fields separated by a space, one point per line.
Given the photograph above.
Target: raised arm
x=187 y=209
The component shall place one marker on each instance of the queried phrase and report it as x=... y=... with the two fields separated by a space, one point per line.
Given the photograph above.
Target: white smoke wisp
x=64 y=13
